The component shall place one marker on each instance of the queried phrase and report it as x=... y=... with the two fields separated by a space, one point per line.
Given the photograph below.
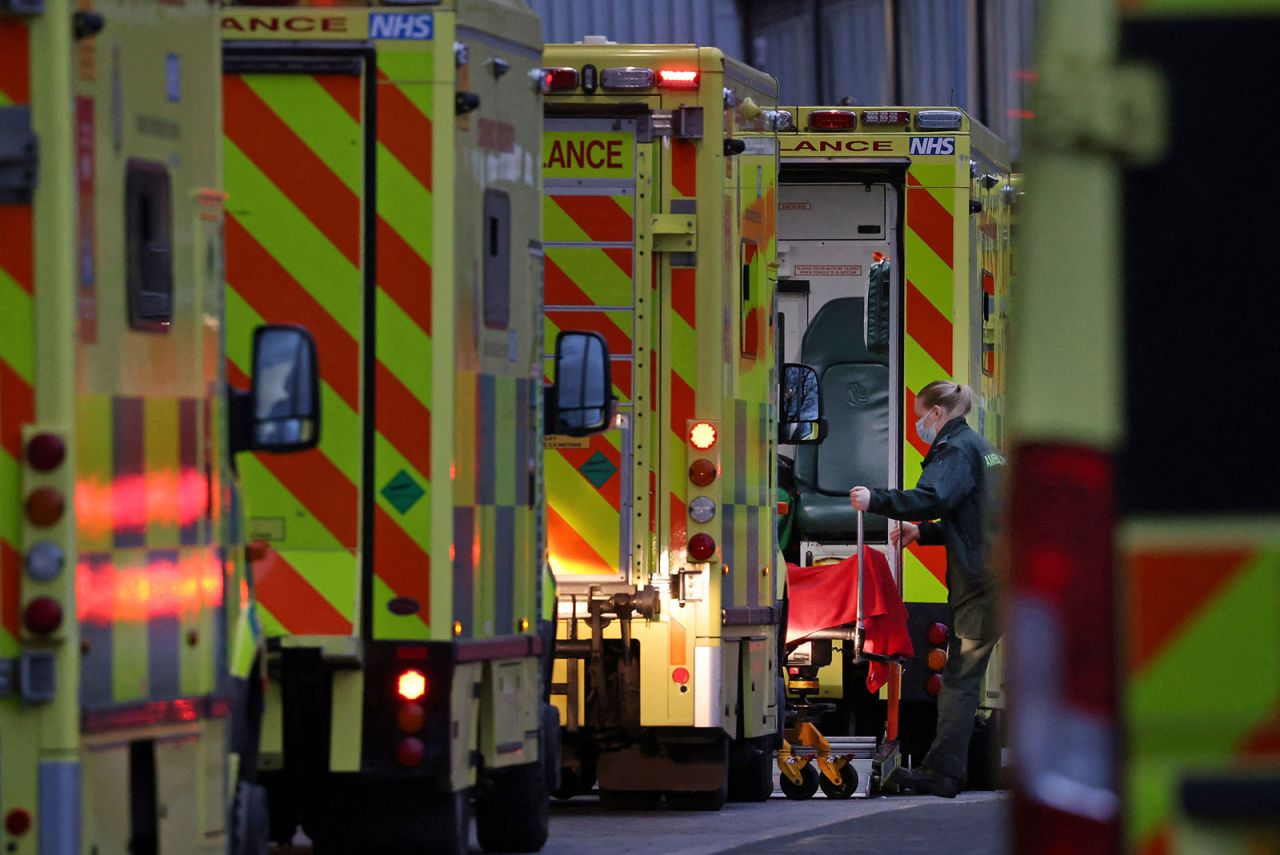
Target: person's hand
x=905 y=533
x=860 y=498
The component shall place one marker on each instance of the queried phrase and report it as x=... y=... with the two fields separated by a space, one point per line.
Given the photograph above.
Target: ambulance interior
x=833 y=237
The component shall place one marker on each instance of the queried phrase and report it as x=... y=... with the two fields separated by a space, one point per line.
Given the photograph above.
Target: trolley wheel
x=805 y=789
x=848 y=784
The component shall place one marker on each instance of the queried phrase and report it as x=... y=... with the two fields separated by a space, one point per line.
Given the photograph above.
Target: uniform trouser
x=958 y=704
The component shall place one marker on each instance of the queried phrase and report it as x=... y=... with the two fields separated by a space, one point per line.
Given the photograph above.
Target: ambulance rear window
x=1202 y=298
x=148 y=246
x=497 y=259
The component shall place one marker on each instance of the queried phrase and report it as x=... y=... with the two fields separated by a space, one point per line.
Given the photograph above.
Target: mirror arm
x=239 y=419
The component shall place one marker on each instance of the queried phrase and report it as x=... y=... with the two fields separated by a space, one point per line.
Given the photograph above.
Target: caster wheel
x=848 y=784
x=805 y=789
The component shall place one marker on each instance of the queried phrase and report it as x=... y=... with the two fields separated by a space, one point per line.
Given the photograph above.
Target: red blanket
x=827 y=596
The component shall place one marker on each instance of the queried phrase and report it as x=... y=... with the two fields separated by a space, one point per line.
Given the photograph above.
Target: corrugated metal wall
x=970 y=53
x=704 y=22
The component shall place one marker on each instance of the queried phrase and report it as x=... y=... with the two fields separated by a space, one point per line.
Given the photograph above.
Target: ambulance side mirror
x=581 y=400
x=801 y=420
x=281 y=411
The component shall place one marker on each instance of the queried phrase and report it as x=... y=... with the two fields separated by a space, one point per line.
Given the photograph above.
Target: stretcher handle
x=858 y=642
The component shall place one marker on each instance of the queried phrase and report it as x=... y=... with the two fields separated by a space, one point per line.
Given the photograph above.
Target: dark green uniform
x=958 y=488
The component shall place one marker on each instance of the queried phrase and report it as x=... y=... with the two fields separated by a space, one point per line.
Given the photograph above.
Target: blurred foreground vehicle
x=1145 y=520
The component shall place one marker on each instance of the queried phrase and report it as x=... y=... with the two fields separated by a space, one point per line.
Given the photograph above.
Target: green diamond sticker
x=598 y=469
x=403 y=492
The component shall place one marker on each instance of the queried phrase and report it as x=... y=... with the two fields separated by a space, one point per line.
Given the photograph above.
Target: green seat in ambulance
x=855 y=396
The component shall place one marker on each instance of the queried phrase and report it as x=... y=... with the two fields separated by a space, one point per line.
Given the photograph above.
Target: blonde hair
x=955 y=398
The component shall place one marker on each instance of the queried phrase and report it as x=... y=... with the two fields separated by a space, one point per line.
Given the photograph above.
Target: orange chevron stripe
x=404 y=130
x=1264 y=740
x=928 y=219
x=274 y=294
x=348 y=97
x=1169 y=589
x=683 y=406
x=601 y=217
x=300 y=608
x=570 y=547
x=18 y=409
x=15 y=61
x=929 y=327
x=934 y=560
x=912 y=437
x=684 y=293
x=313 y=480
x=10 y=588
x=684 y=168
x=619 y=341
x=621 y=256
x=403 y=420
x=292 y=166
x=404 y=275
x=576 y=457
x=16 y=243
x=401 y=562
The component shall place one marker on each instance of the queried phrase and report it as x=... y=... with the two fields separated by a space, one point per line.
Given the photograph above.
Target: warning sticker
x=403 y=492
x=794 y=206
x=828 y=270
x=598 y=470
x=560 y=440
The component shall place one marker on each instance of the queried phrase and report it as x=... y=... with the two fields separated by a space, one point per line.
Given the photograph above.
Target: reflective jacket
x=958 y=488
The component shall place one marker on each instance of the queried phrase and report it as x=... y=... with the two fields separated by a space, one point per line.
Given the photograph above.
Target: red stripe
x=1170 y=588
x=933 y=559
x=17 y=254
x=683 y=405
x=619 y=341
x=345 y=90
x=403 y=420
x=601 y=217
x=1263 y=740
x=930 y=328
x=404 y=276
x=10 y=588
x=285 y=593
x=292 y=166
x=622 y=257
x=912 y=437
x=1158 y=843
x=928 y=219
x=404 y=130
x=621 y=372
x=279 y=298
x=679 y=523
x=401 y=563
x=684 y=293
x=684 y=168
x=576 y=457
x=653 y=501
x=17 y=408
x=15 y=61
x=569 y=547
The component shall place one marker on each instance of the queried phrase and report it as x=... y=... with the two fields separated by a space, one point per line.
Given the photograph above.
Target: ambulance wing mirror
x=281 y=411
x=581 y=401
x=801 y=420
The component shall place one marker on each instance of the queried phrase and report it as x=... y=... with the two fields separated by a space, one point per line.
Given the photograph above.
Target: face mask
x=928 y=434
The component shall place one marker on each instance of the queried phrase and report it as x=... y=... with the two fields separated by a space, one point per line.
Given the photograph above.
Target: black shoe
x=927 y=782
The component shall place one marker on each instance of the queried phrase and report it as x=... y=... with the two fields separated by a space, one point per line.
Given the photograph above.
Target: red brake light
x=559 y=79
x=1061 y=524
x=671 y=78
x=17 y=822
x=832 y=120
x=702 y=546
x=936 y=659
x=702 y=471
x=411 y=685
x=42 y=615
x=933 y=684
x=702 y=435
x=45 y=506
x=409 y=752
x=46 y=451
x=680 y=675
x=411 y=718
x=937 y=634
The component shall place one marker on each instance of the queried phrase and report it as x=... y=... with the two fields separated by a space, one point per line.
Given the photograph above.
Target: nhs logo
x=933 y=145
x=405 y=27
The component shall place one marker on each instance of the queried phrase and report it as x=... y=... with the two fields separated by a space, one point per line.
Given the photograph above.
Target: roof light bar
x=626 y=77
x=938 y=120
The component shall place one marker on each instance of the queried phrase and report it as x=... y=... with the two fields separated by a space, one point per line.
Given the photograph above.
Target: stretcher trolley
x=871 y=635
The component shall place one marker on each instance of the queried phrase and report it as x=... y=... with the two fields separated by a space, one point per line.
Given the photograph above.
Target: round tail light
x=702 y=435
x=680 y=675
x=46 y=452
x=933 y=684
x=937 y=634
x=411 y=685
x=409 y=751
x=702 y=509
x=702 y=546
x=936 y=659
x=45 y=506
x=17 y=822
x=411 y=718
x=43 y=615
x=702 y=471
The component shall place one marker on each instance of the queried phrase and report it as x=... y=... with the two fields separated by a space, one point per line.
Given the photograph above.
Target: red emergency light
x=832 y=120
x=411 y=685
x=674 y=78
x=559 y=79
x=702 y=546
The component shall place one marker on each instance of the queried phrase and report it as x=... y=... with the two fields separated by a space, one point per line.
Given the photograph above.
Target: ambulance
x=895 y=265
x=660 y=180
x=383 y=170
x=1145 y=663
x=130 y=652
